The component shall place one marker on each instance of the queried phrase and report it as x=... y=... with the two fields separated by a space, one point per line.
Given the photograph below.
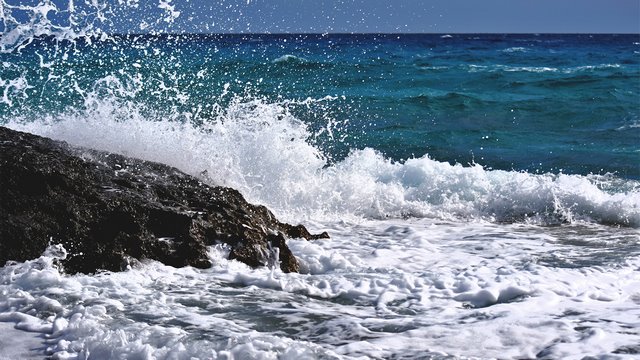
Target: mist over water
x=482 y=191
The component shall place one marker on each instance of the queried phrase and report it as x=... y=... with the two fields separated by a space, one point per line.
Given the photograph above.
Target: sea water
x=482 y=192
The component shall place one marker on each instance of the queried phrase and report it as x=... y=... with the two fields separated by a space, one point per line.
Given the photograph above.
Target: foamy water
x=262 y=150
x=454 y=283
x=430 y=256
x=375 y=290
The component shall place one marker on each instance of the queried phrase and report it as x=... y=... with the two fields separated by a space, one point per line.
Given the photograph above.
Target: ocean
x=481 y=191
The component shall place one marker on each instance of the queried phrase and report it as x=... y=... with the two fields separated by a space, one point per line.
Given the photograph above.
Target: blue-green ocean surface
x=535 y=103
x=481 y=191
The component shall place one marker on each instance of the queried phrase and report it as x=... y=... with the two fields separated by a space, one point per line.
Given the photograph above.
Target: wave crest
x=264 y=151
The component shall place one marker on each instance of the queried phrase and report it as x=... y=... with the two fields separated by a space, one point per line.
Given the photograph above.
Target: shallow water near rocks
x=377 y=289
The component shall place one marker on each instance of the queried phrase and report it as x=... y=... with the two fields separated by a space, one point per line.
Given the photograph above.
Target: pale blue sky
x=441 y=16
x=345 y=16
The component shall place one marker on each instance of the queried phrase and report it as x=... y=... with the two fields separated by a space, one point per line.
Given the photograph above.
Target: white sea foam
x=18 y=344
x=493 y=68
x=289 y=58
x=372 y=291
x=634 y=124
x=415 y=288
x=587 y=68
x=13 y=89
x=262 y=150
x=64 y=20
x=540 y=69
x=514 y=49
x=382 y=287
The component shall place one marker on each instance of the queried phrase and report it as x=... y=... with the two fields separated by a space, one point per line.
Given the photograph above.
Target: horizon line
x=376 y=33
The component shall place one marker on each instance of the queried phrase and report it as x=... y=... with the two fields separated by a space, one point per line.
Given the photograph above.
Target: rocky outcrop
x=107 y=209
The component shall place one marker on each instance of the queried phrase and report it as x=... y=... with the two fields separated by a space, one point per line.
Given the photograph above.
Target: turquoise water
x=536 y=103
x=481 y=193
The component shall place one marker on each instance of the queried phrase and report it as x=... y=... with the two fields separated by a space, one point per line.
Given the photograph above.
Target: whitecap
x=288 y=58
x=534 y=69
x=514 y=49
x=591 y=68
x=261 y=149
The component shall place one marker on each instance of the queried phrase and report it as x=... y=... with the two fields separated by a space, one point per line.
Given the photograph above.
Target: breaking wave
x=261 y=149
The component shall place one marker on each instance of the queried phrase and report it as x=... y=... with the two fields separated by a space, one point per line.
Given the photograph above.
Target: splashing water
x=481 y=191
x=262 y=150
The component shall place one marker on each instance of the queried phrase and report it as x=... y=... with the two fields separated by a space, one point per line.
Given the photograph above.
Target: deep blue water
x=536 y=103
x=457 y=261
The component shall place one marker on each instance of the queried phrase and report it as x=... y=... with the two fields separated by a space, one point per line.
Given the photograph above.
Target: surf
x=261 y=149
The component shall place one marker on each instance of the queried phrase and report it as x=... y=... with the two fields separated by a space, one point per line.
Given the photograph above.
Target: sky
x=335 y=16
x=415 y=16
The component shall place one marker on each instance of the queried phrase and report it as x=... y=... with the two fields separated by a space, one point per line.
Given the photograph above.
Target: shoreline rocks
x=106 y=209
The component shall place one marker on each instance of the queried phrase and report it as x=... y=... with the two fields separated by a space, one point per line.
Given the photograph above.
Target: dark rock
x=106 y=209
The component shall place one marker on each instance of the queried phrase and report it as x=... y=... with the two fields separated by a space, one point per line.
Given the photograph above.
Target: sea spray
x=481 y=191
x=262 y=150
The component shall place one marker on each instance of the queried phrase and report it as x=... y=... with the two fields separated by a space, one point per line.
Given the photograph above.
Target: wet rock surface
x=108 y=209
